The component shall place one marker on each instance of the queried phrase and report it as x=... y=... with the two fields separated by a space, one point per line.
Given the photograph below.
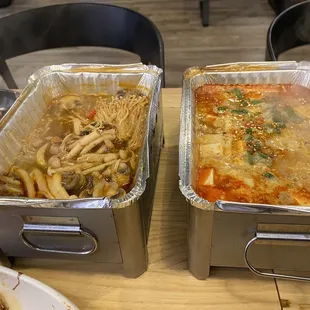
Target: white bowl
x=20 y=292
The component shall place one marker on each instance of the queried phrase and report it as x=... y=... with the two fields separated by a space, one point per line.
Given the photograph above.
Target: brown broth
x=83 y=146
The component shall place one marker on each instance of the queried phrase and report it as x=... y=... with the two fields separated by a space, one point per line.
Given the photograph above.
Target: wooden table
x=167 y=284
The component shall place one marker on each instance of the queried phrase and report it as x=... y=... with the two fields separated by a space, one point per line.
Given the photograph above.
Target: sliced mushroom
x=86 y=193
x=77 y=126
x=54 y=148
x=54 y=162
x=103 y=149
x=121 y=93
x=133 y=162
x=72 y=180
x=121 y=174
x=10 y=180
x=40 y=157
x=99 y=188
x=40 y=180
x=96 y=174
x=9 y=190
x=92 y=144
x=81 y=143
x=37 y=143
x=111 y=189
x=72 y=167
x=27 y=181
x=107 y=172
x=55 y=186
x=91 y=158
x=98 y=168
x=121 y=179
x=123 y=154
x=121 y=193
x=109 y=144
x=89 y=181
x=110 y=157
x=56 y=139
x=123 y=169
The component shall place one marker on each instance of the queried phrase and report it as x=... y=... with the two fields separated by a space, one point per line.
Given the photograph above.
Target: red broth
x=253 y=143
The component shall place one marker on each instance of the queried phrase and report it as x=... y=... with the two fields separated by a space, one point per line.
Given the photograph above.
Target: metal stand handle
x=274 y=237
x=57 y=229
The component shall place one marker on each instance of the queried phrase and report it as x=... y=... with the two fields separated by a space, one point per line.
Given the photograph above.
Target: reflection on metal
x=301 y=237
x=71 y=230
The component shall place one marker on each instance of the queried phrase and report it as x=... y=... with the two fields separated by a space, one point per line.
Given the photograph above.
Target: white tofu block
x=209 y=180
x=209 y=150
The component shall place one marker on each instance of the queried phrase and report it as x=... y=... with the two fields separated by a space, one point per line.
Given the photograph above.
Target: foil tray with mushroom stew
x=80 y=138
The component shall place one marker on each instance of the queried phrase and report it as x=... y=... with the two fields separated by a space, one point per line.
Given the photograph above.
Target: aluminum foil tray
x=53 y=81
x=92 y=229
x=233 y=73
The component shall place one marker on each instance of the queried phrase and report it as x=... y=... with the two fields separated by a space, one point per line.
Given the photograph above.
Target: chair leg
x=7 y=75
x=204 y=12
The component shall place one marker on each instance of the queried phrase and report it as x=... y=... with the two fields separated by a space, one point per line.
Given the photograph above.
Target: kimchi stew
x=84 y=146
x=253 y=143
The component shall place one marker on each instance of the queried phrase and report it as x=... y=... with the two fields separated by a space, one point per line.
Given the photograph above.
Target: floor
x=237 y=32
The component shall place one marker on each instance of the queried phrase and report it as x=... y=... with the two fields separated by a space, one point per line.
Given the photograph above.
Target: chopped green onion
x=280 y=125
x=263 y=155
x=238 y=93
x=277 y=116
x=257 y=145
x=240 y=111
x=251 y=158
x=249 y=137
x=292 y=114
x=244 y=103
x=268 y=175
x=222 y=109
x=256 y=101
x=249 y=131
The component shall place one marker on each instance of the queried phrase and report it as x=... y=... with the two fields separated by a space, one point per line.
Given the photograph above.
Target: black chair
x=78 y=24
x=280 y=5
x=288 y=30
x=204 y=6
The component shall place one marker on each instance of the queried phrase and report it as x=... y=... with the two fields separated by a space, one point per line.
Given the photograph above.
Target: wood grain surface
x=294 y=295
x=167 y=284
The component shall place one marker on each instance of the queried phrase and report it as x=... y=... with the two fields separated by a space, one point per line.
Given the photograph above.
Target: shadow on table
x=167 y=243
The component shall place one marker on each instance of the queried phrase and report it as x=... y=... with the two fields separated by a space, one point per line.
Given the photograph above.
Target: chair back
x=288 y=30
x=78 y=24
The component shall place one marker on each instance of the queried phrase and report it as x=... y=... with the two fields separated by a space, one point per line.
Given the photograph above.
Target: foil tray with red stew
x=246 y=135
